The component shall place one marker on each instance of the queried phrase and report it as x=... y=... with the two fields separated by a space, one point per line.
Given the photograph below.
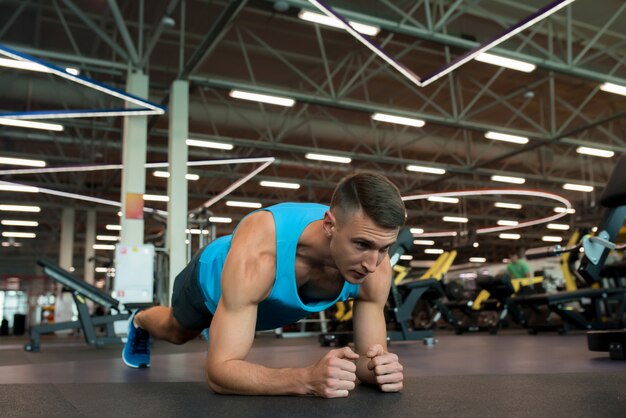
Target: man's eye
x=361 y=245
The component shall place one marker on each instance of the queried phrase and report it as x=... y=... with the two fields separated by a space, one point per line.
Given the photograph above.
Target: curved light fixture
x=517 y=192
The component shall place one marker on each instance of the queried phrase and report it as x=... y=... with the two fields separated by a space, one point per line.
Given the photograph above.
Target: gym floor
x=511 y=374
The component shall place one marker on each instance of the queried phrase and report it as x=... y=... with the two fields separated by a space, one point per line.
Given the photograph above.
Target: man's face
x=358 y=245
x=514 y=258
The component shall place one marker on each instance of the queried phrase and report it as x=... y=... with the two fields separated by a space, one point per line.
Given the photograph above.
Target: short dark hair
x=378 y=197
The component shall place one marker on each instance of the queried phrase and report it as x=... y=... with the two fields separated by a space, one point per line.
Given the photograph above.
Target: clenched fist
x=386 y=368
x=334 y=375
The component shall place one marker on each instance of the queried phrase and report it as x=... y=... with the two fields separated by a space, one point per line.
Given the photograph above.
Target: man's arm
x=247 y=279
x=375 y=366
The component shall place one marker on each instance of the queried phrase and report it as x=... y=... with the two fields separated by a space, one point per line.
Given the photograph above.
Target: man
x=281 y=264
x=518 y=268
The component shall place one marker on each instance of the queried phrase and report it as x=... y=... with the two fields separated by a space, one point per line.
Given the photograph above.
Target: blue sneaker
x=136 y=352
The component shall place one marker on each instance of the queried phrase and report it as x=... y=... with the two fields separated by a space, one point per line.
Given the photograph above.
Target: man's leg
x=160 y=323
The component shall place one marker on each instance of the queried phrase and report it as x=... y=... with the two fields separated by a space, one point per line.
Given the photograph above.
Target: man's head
x=366 y=213
x=514 y=256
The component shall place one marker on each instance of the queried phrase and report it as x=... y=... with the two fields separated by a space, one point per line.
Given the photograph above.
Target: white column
x=177 y=183
x=90 y=240
x=66 y=249
x=134 y=160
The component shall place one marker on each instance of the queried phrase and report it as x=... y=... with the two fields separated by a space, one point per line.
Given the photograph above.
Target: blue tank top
x=283 y=306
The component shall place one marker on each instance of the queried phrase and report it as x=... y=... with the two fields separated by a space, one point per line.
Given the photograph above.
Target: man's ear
x=329 y=223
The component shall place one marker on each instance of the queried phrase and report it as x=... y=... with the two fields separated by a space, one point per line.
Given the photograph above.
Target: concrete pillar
x=66 y=249
x=90 y=240
x=134 y=160
x=177 y=182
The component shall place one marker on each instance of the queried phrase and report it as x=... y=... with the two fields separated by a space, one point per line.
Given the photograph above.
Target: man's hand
x=334 y=375
x=386 y=368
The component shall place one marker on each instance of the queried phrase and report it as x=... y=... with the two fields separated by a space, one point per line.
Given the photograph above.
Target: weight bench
x=88 y=323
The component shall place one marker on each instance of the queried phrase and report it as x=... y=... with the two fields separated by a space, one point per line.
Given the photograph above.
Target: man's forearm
x=363 y=373
x=238 y=377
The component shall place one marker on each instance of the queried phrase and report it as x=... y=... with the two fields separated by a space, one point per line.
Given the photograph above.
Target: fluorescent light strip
x=508 y=179
x=22 y=161
x=263 y=98
x=7 y=222
x=417 y=231
x=336 y=23
x=239 y=204
x=17 y=188
x=329 y=158
x=560 y=227
x=84 y=81
x=107 y=238
x=103 y=247
x=422 y=169
x=20 y=208
x=504 y=222
x=509 y=236
x=497 y=136
x=455 y=219
x=504 y=205
x=613 y=88
x=31 y=66
x=565 y=210
x=596 y=152
x=113 y=227
x=10 y=234
x=549 y=238
x=442 y=199
x=19 y=123
x=220 y=220
x=279 y=184
x=11 y=244
x=399 y=120
x=406 y=257
x=578 y=187
x=195 y=231
x=437 y=234
x=423 y=242
x=101 y=269
x=166 y=174
x=208 y=144
x=477 y=259
x=156 y=198
x=505 y=62
x=433 y=251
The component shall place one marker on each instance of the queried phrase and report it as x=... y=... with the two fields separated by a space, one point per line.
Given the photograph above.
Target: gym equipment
x=88 y=323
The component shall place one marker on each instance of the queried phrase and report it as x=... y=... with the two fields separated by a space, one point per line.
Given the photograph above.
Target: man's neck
x=314 y=245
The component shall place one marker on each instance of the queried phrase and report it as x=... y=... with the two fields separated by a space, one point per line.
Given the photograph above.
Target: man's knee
x=179 y=334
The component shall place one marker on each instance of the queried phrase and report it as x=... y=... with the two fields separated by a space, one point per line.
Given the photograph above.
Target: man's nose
x=370 y=261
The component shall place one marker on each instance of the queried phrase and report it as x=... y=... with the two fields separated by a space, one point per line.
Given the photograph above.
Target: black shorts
x=187 y=302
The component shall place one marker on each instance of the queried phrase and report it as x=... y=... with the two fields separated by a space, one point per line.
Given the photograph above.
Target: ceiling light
x=107 y=238
x=8 y=234
x=166 y=174
x=22 y=161
x=11 y=243
x=208 y=144
x=113 y=227
x=613 y=88
x=32 y=66
x=194 y=231
x=560 y=227
x=507 y=223
x=506 y=137
x=20 y=208
x=477 y=259
x=578 y=187
x=596 y=152
x=406 y=257
x=399 y=120
x=336 y=23
x=563 y=210
x=475 y=245
x=423 y=242
x=509 y=236
x=19 y=223
x=220 y=220
x=73 y=71
x=548 y=238
x=330 y=158
x=263 y=98
x=238 y=204
x=422 y=169
x=507 y=205
x=505 y=62
x=18 y=188
x=443 y=199
x=509 y=179
x=280 y=184
x=156 y=198
x=455 y=219
x=103 y=247
x=417 y=231
x=101 y=269
x=433 y=251
x=21 y=123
